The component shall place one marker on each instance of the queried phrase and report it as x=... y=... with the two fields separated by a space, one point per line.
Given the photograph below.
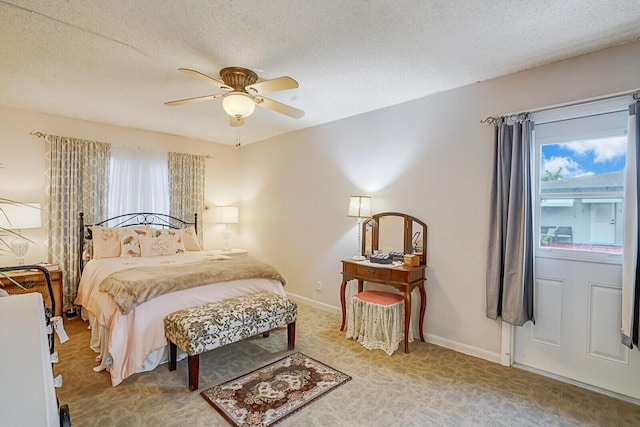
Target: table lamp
x=227 y=215
x=17 y=217
x=359 y=207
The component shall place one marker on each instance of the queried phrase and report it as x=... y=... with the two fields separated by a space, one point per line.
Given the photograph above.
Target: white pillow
x=190 y=239
x=157 y=246
x=105 y=242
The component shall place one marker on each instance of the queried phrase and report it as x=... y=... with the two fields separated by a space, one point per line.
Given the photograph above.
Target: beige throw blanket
x=134 y=286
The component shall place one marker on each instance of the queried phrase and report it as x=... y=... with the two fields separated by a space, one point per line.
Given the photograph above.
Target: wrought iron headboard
x=130 y=220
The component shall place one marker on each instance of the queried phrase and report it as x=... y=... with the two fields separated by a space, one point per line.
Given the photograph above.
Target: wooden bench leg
x=194 y=368
x=291 y=335
x=173 y=355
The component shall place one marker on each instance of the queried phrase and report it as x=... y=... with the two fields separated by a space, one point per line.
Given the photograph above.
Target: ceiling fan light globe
x=238 y=104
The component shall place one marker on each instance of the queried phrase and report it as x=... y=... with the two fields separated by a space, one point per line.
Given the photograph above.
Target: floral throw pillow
x=157 y=246
x=176 y=235
x=129 y=243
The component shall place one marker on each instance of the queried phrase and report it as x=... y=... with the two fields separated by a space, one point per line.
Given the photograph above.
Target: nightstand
x=231 y=252
x=34 y=281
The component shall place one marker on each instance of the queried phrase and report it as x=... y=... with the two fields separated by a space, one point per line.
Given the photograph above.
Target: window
x=579 y=182
x=138 y=181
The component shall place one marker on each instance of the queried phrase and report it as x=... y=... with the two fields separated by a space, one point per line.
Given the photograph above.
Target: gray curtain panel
x=77 y=181
x=509 y=279
x=186 y=187
x=631 y=274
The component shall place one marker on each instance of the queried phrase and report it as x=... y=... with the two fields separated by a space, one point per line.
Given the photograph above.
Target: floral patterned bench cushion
x=198 y=329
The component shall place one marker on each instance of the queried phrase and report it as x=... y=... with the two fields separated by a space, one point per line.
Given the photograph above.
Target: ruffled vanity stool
x=376 y=320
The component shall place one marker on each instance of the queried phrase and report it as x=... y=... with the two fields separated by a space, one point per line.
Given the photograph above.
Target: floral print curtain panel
x=186 y=187
x=77 y=181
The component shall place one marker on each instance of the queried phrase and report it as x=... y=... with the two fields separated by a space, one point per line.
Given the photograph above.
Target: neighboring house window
x=579 y=179
x=138 y=181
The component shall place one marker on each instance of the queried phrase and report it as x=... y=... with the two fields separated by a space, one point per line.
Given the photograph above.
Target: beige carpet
x=430 y=386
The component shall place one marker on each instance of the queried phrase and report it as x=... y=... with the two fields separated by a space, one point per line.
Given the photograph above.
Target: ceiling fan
x=243 y=93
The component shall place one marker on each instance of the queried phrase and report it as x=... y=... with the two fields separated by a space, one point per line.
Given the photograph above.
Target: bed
x=126 y=291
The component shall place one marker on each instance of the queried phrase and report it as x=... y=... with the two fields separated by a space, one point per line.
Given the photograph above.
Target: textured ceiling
x=116 y=61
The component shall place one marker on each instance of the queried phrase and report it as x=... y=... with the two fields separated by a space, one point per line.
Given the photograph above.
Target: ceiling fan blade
x=207 y=79
x=234 y=122
x=279 y=107
x=196 y=99
x=273 y=85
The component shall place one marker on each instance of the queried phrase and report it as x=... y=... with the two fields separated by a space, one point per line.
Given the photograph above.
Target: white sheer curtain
x=630 y=274
x=138 y=181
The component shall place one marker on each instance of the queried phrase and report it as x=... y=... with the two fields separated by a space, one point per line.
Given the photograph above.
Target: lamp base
x=226 y=236
x=19 y=247
x=359 y=258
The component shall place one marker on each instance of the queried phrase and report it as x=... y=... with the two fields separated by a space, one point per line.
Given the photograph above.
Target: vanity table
x=405 y=278
x=391 y=231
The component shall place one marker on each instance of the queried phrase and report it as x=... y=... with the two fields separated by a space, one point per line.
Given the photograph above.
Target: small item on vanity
x=49 y=266
x=412 y=260
x=381 y=258
x=396 y=254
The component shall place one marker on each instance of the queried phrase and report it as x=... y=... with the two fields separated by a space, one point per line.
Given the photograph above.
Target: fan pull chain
x=238 y=137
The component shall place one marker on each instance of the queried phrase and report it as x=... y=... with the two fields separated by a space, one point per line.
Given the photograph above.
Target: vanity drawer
x=373 y=273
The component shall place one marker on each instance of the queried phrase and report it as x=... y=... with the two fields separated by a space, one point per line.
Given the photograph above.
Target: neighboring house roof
x=605 y=182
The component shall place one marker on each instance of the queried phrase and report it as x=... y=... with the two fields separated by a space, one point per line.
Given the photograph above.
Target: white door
x=578 y=286
x=603 y=223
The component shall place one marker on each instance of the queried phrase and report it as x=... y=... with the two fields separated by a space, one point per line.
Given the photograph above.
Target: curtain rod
x=635 y=93
x=40 y=135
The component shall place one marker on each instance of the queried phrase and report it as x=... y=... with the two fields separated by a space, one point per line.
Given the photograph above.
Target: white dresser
x=27 y=394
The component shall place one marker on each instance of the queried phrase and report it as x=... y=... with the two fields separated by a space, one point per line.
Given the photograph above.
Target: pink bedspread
x=135 y=342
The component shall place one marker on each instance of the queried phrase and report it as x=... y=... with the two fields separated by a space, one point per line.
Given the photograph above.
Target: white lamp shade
x=238 y=104
x=227 y=214
x=359 y=206
x=20 y=216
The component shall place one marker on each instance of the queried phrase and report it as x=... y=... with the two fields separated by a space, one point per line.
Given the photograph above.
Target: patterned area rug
x=269 y=394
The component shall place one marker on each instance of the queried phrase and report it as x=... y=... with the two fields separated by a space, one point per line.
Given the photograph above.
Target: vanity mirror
x=392 y=231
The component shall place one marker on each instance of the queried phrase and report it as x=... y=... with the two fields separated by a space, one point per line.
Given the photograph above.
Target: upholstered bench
x=199 y=329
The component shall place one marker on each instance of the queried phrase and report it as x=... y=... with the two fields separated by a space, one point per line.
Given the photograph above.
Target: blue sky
x=588 y=157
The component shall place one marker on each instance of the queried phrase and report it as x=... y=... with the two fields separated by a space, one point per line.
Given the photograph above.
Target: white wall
x=23 y=155
x=430 y=158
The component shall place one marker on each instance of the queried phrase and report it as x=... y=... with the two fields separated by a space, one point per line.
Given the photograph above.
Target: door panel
x=550 y=324
x=603 y=333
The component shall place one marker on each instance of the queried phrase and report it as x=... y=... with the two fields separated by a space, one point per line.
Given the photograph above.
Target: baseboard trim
x=577 y=383
x=314 y=303
x=464 y=348
x=430 y=338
